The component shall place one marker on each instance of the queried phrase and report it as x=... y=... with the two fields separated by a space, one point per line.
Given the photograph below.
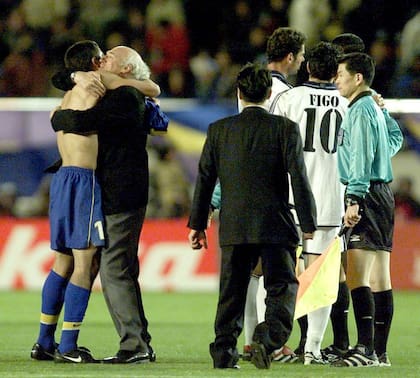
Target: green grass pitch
x=182 y=327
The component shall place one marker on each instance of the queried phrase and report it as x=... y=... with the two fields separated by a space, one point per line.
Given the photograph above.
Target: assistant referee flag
x=318 y=284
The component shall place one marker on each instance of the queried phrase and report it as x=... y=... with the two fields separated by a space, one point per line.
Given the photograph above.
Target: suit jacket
x=252 y=154
x=119 y=119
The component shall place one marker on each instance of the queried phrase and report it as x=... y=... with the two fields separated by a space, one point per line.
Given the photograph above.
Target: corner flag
x=318 y=285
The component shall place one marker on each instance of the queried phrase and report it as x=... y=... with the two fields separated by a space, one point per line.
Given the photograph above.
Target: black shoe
x=259 y=356
x=152 y=354
x=224 y=358
x=78 y=356
x=39 y=353
x=128 y=357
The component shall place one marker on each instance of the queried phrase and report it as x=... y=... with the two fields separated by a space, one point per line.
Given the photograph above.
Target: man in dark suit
x=252 y=154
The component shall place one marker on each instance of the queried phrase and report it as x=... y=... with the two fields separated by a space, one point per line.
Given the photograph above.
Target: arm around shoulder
x=394 y=132
x=147 y=87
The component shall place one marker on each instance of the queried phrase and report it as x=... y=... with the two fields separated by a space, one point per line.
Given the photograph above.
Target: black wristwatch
x=351 y=200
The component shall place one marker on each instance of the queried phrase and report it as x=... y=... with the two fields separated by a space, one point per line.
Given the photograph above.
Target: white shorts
x=323 y=237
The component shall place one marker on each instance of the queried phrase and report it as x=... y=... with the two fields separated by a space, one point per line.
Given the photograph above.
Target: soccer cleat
x=246 y=354
x=332 y=353
x=284 y=355
x=77 y=356
x=357 y=357
x=259 y=356
x=128 y=357
x=384 y=360
x=39 y=353
x=311 y=359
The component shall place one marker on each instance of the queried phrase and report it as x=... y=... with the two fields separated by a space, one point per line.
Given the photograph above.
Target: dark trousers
x=280 y=281
x=119 y=271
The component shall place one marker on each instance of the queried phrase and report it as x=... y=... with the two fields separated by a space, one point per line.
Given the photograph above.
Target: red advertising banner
x=167 y=263
x=166 y=260
x=405 y=258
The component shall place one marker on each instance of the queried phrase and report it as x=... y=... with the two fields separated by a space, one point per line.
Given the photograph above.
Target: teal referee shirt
x=367 y=140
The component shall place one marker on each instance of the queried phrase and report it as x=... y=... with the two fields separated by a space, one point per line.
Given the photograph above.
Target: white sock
x=250 y=315
x=261 y=295
x=317 y=324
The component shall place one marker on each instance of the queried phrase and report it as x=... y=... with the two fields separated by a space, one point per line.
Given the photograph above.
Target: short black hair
x=282 y=42
x=349 y=43
x=80 y=55
x=359 y=63
x=254 y=81
x=323 y=61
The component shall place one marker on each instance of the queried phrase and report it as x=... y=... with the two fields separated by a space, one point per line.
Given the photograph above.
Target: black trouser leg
x=236 y=265
x=281 y=284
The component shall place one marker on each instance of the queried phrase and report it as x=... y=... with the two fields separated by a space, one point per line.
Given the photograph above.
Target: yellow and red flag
x=318 y=284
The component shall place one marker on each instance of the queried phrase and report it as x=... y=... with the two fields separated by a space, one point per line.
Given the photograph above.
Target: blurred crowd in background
x=170 y=189
x=195 y=50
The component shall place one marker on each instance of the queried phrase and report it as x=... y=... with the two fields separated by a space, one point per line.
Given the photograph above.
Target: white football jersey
x=319 y=109
x=279 y=86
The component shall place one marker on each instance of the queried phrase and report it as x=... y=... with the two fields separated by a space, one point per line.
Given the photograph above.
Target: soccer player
x=319 y=109
x=76 y=222
x=365 y=146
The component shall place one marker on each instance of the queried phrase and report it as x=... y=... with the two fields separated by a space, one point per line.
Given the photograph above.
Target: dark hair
x=359 y=63
x=323 y=61
x=349 y=43
x=80 y=55
x=254 y=81
x=282 y=42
